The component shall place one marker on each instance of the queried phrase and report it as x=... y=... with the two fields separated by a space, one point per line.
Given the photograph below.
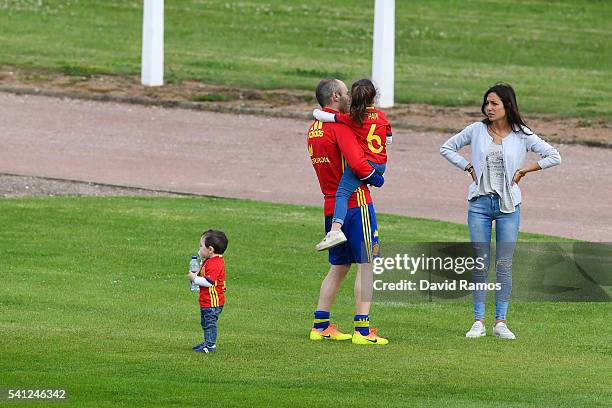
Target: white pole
x=383 y=51
x=152 y=69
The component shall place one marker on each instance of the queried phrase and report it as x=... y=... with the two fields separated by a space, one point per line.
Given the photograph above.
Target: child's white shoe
x=332 y=239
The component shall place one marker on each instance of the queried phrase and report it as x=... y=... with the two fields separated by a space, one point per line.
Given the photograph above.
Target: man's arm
x=350 y=149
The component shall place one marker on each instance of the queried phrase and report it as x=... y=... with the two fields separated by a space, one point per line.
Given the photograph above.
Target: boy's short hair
x=215 y=239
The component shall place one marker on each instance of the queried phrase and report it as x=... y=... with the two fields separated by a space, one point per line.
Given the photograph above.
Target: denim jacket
x=515 y=147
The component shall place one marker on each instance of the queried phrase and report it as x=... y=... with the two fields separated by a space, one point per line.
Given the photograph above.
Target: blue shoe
x=205 y=349
x=197 y=346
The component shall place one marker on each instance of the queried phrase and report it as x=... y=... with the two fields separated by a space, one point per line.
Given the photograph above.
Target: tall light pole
x=152 y=64
x=383 y=51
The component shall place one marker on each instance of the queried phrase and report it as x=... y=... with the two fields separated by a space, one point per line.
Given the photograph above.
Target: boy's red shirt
x=213 y=269
x=372 y=134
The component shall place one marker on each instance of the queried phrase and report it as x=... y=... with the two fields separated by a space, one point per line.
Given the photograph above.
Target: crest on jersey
x=375 y=249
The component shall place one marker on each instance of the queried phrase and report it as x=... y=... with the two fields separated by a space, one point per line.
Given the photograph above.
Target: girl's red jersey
x=371 y=135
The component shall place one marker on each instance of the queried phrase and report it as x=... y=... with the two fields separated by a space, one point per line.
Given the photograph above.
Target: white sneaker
x=502 y=331
x=332 y=239
x=477 y=330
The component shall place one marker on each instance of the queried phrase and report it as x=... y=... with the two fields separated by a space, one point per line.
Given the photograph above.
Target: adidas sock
x=362 y=324
x=321 y=320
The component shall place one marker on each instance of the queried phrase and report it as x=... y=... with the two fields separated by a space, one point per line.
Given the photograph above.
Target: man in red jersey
x=331 y=147
x=373 y=132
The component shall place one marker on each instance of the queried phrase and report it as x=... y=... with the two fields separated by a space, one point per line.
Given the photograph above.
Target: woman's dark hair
x=363 y=94
x=508 y=98
x=215 y=239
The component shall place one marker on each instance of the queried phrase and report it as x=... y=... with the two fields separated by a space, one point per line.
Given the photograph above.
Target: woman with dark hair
x=373 y=133
x=499 y=145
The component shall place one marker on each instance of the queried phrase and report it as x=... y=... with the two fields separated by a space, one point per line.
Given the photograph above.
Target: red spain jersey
x=372 y=134
x=331 y=146
x=213 y=270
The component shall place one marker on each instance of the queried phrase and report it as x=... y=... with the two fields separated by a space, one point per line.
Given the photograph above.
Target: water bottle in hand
x=194 y=266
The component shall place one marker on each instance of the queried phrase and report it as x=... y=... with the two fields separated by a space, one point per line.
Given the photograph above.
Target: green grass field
x=556 y=53
x=94 y=299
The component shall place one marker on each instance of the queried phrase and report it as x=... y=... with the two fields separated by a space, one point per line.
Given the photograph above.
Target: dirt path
x=289 y=103
x=12 y=186
x=265 y=159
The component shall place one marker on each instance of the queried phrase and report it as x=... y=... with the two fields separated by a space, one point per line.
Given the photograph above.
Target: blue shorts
x=361 y=232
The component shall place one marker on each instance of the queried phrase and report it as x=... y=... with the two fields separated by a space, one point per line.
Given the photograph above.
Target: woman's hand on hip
x=470 y=170
x=520 y=173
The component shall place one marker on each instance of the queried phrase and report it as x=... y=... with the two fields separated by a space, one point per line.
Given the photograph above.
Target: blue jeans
x=209 y=317
x=482 y=211
x=348 y=184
